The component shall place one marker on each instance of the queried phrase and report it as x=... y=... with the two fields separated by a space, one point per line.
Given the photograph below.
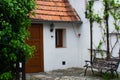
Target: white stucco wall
x=84 y=40
x=53 y=56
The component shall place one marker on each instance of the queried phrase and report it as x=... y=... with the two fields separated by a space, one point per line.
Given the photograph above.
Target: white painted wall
x=84 y=41
x=53 y=57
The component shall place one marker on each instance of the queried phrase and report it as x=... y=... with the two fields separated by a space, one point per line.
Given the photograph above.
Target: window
x=60 y=38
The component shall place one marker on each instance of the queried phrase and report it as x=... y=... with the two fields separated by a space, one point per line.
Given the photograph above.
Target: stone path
x=63 y=74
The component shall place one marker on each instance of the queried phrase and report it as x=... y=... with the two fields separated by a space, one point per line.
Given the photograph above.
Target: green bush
x=14 y=20
x=6 y=76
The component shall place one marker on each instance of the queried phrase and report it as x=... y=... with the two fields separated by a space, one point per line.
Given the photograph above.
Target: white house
x=61 y=34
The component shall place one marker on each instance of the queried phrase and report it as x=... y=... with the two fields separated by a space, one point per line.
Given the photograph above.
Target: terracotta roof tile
x=55 y=10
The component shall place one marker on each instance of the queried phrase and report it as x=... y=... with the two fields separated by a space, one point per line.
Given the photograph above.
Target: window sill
x=60 y=47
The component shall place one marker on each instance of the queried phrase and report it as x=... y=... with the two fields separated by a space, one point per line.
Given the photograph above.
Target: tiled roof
x=55 y=10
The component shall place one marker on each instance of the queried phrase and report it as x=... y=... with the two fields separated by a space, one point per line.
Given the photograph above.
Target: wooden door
x=35 y=64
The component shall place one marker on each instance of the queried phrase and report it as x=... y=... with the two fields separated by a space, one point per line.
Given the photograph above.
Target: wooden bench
x=102 y=64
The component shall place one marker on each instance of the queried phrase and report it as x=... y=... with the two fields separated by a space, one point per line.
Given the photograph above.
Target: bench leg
x=85 y=71
x=92 y=70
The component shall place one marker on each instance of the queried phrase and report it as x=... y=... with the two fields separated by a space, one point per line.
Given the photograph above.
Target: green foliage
x=97 y=18
x=106 y=76
x=89 y=11
x=99 y=48
x=100 y=44
x=14 y=20
x=6 y=76
x=109 y=76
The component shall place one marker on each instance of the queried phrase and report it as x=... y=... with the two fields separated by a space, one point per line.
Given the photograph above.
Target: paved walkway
x=64 y=74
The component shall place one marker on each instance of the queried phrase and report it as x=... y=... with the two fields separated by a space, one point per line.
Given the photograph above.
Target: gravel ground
x=66 y=74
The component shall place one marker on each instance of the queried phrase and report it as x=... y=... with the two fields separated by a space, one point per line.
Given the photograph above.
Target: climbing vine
x=111 y=9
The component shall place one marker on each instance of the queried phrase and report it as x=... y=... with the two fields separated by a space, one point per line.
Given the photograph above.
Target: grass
x=102 y=76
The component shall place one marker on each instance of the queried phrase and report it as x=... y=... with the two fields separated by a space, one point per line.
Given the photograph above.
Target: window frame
x=59 y=38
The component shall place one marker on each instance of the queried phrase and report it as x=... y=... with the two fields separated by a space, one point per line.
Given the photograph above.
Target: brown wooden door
x=35 y=64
